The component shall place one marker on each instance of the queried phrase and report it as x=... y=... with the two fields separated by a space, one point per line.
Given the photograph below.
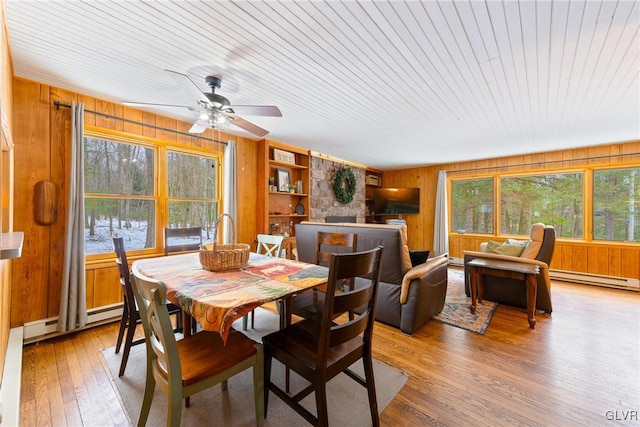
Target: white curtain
x=73 y=307
x=230 y=190
x=440 y=226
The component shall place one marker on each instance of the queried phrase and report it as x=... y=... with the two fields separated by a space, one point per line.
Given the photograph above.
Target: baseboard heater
x=48 y=328
x=625 y=283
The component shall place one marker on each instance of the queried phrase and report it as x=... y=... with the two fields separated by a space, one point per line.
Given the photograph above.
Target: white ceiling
x=388 y=84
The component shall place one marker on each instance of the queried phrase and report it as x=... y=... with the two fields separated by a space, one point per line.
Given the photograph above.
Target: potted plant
x=292 y=188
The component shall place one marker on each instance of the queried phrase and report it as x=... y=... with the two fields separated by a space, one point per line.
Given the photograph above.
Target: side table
x=502 y=268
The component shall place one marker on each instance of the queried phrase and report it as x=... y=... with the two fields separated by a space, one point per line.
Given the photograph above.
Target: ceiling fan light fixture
x=213 y=118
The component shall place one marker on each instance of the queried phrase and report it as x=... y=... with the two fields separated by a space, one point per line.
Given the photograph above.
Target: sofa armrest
x=417 y=272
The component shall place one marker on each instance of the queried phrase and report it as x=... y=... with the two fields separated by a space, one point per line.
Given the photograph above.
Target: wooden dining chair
x=130 y=314
x=311 y=302
x=196 y=362
x=182 y=239
x=271 y=246
x=320 y=347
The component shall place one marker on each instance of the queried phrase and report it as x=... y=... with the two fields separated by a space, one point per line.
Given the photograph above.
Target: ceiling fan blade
x=198 y=128
x=188 y=84
x=248 y=126
x=150 y=104
x=257 y=110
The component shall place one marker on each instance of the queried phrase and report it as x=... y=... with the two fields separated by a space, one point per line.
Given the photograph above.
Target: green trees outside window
x=555 y=199
x=472 y=205
x=616 y=204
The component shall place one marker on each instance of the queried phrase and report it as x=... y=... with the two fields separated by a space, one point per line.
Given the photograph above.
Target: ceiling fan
x=214 y=110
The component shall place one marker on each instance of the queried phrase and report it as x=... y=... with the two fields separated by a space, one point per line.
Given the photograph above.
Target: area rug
x=347 y=400
x=456 y=311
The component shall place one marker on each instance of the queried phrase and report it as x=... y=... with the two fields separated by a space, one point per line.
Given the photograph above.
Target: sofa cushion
x=505 y=248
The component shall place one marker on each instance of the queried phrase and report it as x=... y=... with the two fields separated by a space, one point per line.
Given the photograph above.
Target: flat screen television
x=396 y=201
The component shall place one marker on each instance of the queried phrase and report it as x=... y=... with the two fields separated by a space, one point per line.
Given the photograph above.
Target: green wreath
x=344 y=185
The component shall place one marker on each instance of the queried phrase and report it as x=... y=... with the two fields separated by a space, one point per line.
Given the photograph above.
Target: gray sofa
x=408 y=296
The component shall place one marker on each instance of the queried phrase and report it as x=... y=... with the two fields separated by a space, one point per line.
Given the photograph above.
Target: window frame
x=160 y=196
x=587 y=177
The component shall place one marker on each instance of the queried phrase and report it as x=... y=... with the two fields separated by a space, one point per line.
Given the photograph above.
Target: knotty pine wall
x=611 y=259
x=42 y=151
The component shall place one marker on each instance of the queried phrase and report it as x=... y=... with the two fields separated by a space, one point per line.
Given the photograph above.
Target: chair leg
x=321 y=403
x=371 y=390
x=245 y=321
x=149 y=388
x=131 y=329
x=253 y=318
x=175 y=409
x=267 y=380
x=258 y=386
x=123 y=324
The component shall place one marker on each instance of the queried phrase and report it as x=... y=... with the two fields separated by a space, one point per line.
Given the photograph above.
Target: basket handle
x=215 y=229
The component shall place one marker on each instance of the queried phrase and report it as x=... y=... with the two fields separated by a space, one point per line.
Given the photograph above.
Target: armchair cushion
x=504 y=248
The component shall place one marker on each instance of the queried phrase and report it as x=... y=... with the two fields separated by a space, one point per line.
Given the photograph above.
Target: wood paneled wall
x=611 y=259
x=6 y=179
x=42 y=151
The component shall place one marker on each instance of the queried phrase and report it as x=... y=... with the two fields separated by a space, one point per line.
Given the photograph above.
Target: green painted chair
x=196 y=362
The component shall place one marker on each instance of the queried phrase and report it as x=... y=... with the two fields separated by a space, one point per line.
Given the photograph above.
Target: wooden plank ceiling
x=389 y=84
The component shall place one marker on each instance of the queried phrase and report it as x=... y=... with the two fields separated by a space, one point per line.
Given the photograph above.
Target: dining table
x=217 y=299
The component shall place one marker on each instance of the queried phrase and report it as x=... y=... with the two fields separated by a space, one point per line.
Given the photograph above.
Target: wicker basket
x=232 y=256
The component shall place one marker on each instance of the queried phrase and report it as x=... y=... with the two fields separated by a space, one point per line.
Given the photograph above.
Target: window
x=118 y=179
x=552 y=199
x=616 y=204
x=123 y=194
x=472 y=206
x=192 y=182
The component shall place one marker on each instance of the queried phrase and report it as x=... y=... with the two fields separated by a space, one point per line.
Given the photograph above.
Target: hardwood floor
x=579 y=367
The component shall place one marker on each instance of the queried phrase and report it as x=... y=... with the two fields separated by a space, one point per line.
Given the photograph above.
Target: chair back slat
x=348 y=300
x=182 y=239
x=348 y=266
x=345 y=332
x=270 y=245
x=123 y=270
x=328 y=243
x=162 y=348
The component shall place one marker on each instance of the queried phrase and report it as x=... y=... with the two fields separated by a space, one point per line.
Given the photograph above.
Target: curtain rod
x=59 y=104
x=542 y=163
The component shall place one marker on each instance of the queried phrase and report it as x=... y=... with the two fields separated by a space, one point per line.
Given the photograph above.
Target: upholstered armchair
x=537 y=251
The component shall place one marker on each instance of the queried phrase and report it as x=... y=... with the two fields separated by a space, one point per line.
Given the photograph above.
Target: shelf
x=11 y=245
x=286 y=165
x=283 y=193
x=287 y=216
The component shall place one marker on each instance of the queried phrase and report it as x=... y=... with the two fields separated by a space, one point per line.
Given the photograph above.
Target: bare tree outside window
x=115 y=173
